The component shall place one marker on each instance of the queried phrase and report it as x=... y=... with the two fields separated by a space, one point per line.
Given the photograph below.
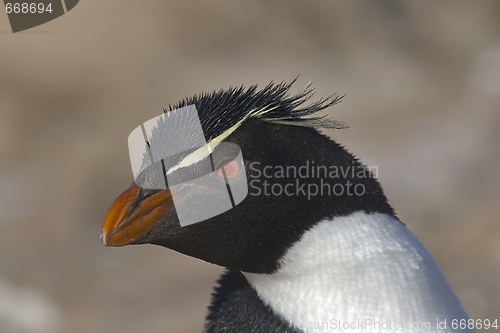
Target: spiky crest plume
x=225 y=109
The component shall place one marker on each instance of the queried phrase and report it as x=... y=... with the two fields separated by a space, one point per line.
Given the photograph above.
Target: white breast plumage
x=365 y=271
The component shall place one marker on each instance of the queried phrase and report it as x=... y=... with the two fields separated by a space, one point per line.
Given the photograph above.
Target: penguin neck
x=358 y=268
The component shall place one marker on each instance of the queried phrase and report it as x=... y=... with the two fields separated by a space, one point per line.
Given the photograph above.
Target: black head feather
x=274 y=129
x=222 y=109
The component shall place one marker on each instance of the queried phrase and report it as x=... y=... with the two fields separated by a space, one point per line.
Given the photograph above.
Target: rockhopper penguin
x=314 y=246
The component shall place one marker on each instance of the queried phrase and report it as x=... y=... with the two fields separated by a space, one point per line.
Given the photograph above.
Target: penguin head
x=294 y=175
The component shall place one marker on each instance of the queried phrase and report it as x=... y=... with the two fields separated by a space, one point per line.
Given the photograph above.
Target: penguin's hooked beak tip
x=131 y=216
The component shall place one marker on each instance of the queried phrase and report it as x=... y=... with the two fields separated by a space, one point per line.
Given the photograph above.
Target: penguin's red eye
x=228 y=170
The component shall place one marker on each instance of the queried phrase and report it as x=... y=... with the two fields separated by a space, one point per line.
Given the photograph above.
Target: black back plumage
x=236 y=307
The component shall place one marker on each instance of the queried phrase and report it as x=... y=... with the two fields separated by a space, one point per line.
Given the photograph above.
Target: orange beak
x=120 y=227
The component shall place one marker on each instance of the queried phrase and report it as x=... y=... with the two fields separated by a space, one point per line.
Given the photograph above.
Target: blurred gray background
x=422 y=80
